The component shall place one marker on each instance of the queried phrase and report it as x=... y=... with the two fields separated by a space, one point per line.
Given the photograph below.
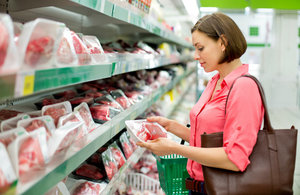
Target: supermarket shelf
x=104 y=12
x=31 y=82
x=62 y=165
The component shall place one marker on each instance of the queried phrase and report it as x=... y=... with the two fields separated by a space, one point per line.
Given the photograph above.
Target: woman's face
x=208 y=51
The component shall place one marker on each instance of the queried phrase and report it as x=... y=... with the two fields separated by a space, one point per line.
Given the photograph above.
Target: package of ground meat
x=68 y=94
x=74 y=117
x=32 y=124
x=12 y=122
x=121 y=98
x=84 y=187
x=95 y=49
x=81 y=50
x=78 y=100
x=117 y=154
x=126 y=145
x=142 y=130
x=7 y=114
x=37 y=43
x=102 y=113
x=8 y=136
x=63 y=137
x=84 y=111
x=108 y=100
x=7 y=172
x=88 y=171
x=29 y=151
x=57 y=110
x=9 y=61
x=110 y=164
x=65 y=51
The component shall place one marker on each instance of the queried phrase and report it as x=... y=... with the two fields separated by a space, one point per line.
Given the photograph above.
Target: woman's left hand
x=160 y=146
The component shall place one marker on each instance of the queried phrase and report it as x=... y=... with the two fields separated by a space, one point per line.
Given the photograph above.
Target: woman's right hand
x=164 y=122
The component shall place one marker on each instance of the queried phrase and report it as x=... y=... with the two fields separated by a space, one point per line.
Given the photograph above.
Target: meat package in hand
x=117 y=154
x=57 y=110
x=142 y=130
x=87 y=187
x=89 y=171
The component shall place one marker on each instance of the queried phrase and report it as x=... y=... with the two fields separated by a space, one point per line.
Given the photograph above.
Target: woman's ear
x=224 y=42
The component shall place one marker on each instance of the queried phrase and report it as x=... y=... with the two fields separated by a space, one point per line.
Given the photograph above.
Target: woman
x=219 y=44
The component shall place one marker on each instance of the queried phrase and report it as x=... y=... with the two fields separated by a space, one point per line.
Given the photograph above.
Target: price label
x=28 y=84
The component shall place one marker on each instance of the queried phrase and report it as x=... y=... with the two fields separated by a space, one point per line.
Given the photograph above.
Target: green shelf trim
x=120 y=13
x=258 y=45
x=58 y=77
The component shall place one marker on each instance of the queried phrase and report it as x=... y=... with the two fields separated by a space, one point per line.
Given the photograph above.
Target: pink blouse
x=240 y=125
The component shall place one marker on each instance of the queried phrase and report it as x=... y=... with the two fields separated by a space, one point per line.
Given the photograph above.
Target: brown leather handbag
x=272 y=161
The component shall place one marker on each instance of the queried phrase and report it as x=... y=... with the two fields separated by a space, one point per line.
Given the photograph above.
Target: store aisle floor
x=284 y=118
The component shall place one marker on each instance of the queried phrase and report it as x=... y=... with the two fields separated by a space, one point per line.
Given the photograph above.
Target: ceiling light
x=209 y=9
x=269 y=11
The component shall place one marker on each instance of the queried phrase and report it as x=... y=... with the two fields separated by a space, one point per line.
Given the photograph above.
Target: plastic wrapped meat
x=87 y=188
x=65 y=94
x=126 y=146
x=78 y=100
x=110 y=164
x=39 y=50
x=7 y=173
x=89 y=171
x=4 y=42
x=55 y=113
x=121 y=98
x=102 y=113
x=117 y=154
x=109 y=100
x=155 y=130
x=81 y=50
x=7 y=114
x=86 y=115
x=35 y=124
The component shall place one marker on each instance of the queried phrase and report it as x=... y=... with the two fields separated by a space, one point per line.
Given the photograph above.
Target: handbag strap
x=267 y=122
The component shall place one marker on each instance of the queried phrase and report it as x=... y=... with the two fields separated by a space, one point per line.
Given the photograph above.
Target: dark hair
x=219 y=25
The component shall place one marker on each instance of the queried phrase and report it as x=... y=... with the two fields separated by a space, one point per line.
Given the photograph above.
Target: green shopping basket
x=172 y=173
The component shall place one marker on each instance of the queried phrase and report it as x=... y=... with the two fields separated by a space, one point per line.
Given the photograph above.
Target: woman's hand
x=160 y=146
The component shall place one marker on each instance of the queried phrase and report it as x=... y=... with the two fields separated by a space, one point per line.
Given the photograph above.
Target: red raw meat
x=118 y=156
x=111 y=169
x=123 y=102
x=100 y=112
x=35 y=124
x=55 y=113
x=95 y=159
x=7 y=114
x=133 y=144
x=87 y=87
x=4 y=40
x=30 y=155
x=154 y=130
x=83 y=56
x=144 y=134
x=127 y=149
x=94 y=94
x=109 y=103
x=39 y=48
x=89 y=171
x=87 y=188
x=68 y=94
x=48 y=101
x=79 y=100
x=7 y=140
x=84 y=113
x=64 y=52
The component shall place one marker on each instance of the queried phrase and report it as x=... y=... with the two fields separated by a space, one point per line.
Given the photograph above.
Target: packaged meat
x=7 y=114
x=9 y=136
x=59 y=189
x=12 y=122
x=65 y=52
x=78 y=100
x=63 y=137
x=134 y=96
x=121 y=98
x=87 y=87
x=95 y=159
x=32 y=124
x=94 y=94
x=68 y=94
x=102 y=113
x=142 y=130
x=57 y=110
x=83 y=55
x=89 y=171
x=108 y=100
x=37 y=43
x=84 y=187
x=7 y=172
x=9 y=61
x=74 y=117
x=110 y=164
x=126 y=145
x=117 y=154
x=48 y=101
x=95 y=49
x=29 y=151
x=132 y=142
x=84 y=111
